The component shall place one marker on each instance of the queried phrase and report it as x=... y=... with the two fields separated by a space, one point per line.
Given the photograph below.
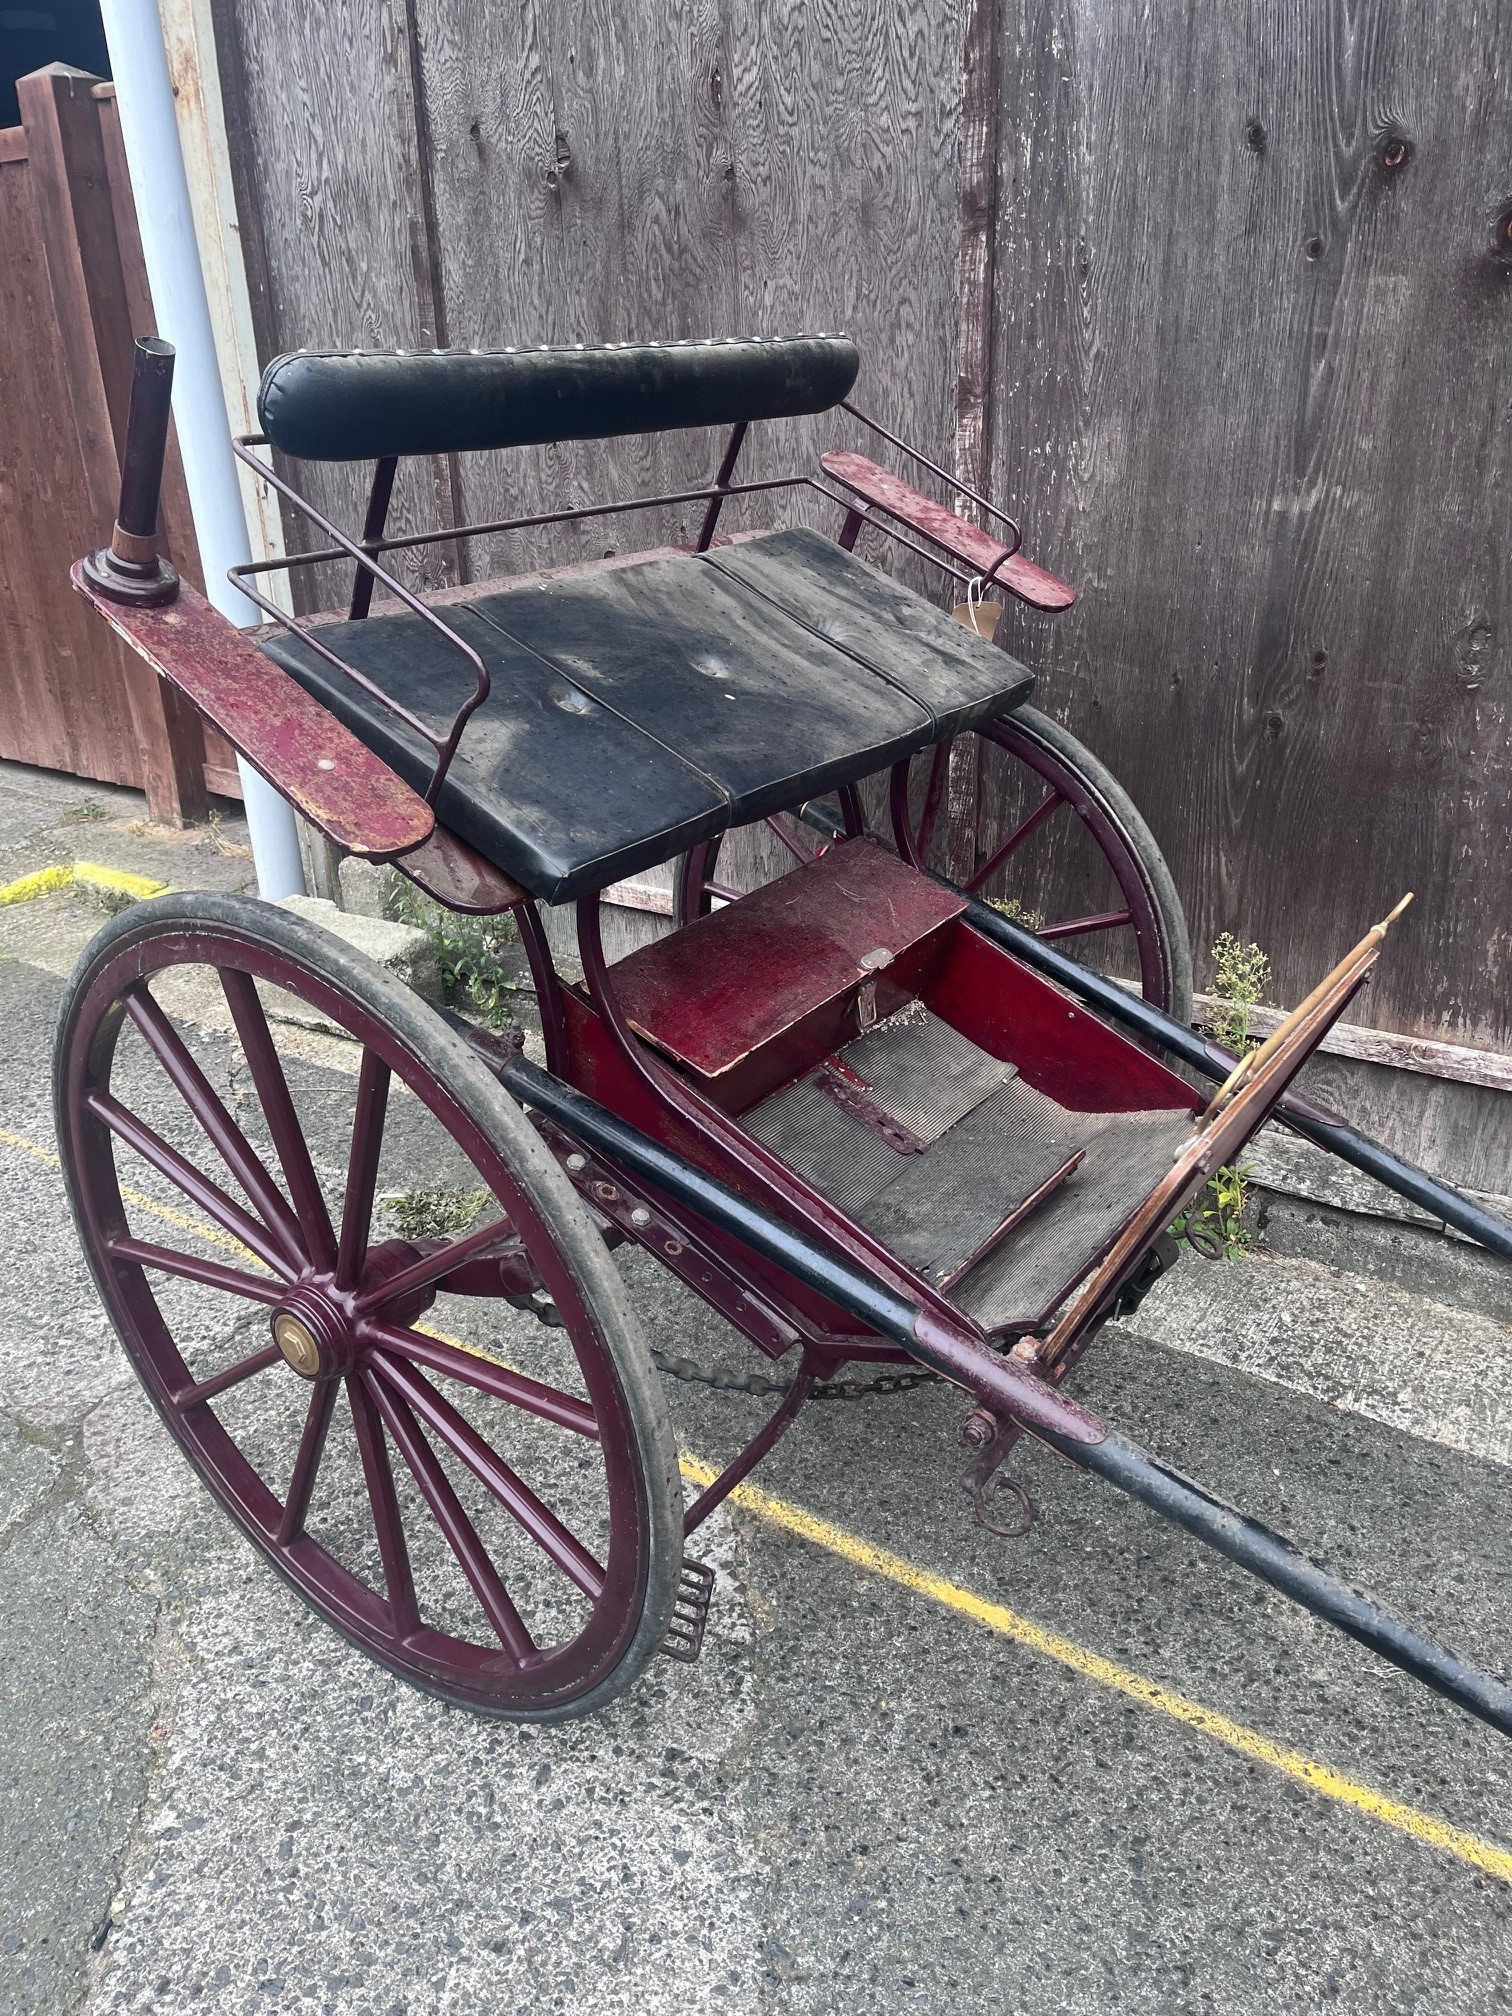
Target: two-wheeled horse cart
x=863 y=1114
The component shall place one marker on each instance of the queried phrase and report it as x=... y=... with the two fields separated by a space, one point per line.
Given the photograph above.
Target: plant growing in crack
x=1215 y=1225
x=467 y=951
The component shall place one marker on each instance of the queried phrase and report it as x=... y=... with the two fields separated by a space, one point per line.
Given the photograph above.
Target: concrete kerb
x=403 y=949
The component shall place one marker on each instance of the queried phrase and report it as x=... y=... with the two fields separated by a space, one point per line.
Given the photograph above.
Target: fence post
x=71 y=181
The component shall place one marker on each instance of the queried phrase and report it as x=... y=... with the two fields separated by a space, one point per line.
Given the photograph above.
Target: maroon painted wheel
x=1067 y=823
x=496 y=1516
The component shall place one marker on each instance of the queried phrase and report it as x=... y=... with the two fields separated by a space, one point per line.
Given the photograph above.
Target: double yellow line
x=786 y=1517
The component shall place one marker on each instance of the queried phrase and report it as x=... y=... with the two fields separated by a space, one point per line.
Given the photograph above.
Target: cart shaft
x=1013 y=1393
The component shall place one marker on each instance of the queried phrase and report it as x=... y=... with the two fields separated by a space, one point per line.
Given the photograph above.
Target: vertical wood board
x=1250 y=389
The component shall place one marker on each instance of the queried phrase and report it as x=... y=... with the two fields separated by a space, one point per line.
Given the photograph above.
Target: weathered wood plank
x=606 y=171
x=1227 y=326
x=322 y=111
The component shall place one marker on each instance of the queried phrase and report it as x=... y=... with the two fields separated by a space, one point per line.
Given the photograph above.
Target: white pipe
x=149 y=131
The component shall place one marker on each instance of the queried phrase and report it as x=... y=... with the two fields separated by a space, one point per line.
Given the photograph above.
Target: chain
x=673 y=1367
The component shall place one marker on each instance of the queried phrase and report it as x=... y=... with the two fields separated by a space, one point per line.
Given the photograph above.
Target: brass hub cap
x=297 y=1344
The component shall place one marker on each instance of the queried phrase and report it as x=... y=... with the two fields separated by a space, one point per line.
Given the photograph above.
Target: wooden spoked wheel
x=496 y=1515
x=1070 y=823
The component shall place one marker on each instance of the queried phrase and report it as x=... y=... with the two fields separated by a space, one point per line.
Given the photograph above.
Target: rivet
x=325 y=763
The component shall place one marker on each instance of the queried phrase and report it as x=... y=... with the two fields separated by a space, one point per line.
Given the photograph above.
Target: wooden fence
x=73 y=295
x=1217 y=298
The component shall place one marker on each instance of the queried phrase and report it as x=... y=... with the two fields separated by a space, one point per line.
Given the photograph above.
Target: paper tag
x=976 y=614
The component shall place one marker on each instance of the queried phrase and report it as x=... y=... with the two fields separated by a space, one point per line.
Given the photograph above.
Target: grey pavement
x=859 y=1800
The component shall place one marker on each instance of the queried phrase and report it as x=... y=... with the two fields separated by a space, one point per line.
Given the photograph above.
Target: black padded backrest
x=346 y=406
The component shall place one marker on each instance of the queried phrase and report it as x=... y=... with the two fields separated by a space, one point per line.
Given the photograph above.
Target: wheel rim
x=917 y=793
x=455 y=1534
x=1137 y=913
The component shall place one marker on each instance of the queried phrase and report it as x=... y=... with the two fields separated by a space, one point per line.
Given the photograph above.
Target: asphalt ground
x=916 y=1768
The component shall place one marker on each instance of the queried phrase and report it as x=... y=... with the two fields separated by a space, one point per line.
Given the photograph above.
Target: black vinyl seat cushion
x=357 y=405
x=639 y=709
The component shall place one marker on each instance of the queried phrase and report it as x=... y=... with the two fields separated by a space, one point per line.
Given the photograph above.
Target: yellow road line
x=89 y=874
x=41 y=882
x=996 y=1617
x=805 y=1525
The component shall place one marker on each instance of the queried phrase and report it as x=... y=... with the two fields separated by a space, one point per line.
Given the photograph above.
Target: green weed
x=467 y=950
x=1016 y=912
x=435 y=1214
x=1215 y=1222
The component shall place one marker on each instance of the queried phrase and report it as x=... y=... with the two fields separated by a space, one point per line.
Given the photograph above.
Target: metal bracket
x=983 y=1431
x=690 y=1612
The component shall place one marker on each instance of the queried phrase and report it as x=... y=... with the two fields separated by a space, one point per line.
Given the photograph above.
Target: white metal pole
x=144 y=95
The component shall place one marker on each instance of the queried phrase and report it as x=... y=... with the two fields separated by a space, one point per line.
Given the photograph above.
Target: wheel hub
x=314 y=1336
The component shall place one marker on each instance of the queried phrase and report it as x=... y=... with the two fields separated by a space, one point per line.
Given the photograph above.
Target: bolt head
x=301 y=1352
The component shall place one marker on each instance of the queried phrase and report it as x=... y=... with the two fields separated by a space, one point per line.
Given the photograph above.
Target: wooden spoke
x=222 y=1382
x=195 y=1185
x=938 y=766
x=189 y=1267
x=1079 y=927
x=278 y=1110
x=393 y=1550
x=460 y=1533
x=205 y=1103
x=463 y=1440
x=798 y=853
x=1020 y=834
x=502 y=1382
x=362 y=1168
x=307 y=1462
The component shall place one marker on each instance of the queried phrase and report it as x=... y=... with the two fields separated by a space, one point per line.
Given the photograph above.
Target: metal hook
x=999 y=1480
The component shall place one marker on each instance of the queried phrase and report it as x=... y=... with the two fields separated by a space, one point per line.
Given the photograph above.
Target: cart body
x=854 y=1108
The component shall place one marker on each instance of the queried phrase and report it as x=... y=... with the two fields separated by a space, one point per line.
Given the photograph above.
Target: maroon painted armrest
x=976 y=549
x=298 y=745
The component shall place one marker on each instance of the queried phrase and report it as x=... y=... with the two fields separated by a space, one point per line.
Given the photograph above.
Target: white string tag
x=975 y=613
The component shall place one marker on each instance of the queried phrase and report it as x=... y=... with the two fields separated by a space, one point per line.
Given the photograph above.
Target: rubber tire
x=417 y=1026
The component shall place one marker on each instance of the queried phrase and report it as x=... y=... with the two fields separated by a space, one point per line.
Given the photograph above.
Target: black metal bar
x=146 y=437
x=721 y=486
x=318 y=556
x=854 y=1291
x=445 y=747
x=1275 y=1560
x=379 y=498
x=1427 y=1192
x=1020 y=1397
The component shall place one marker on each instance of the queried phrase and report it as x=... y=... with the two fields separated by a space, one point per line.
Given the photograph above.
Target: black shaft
x=146 y=436
x=849 y=1287
x=1017 y=1394
x=1285 y=1567
x=1426 y=1191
